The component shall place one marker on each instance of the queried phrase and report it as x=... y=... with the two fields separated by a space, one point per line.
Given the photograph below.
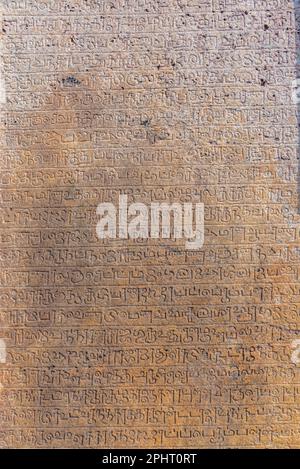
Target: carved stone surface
x=140 y=344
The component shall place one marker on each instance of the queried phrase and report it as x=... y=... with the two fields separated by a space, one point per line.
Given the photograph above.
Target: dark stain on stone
x=145 y=122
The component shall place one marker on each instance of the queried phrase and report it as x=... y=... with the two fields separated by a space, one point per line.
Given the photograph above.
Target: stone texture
x=121 y=344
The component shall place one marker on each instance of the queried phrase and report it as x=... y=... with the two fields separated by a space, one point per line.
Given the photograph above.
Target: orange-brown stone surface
x=143 y=343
